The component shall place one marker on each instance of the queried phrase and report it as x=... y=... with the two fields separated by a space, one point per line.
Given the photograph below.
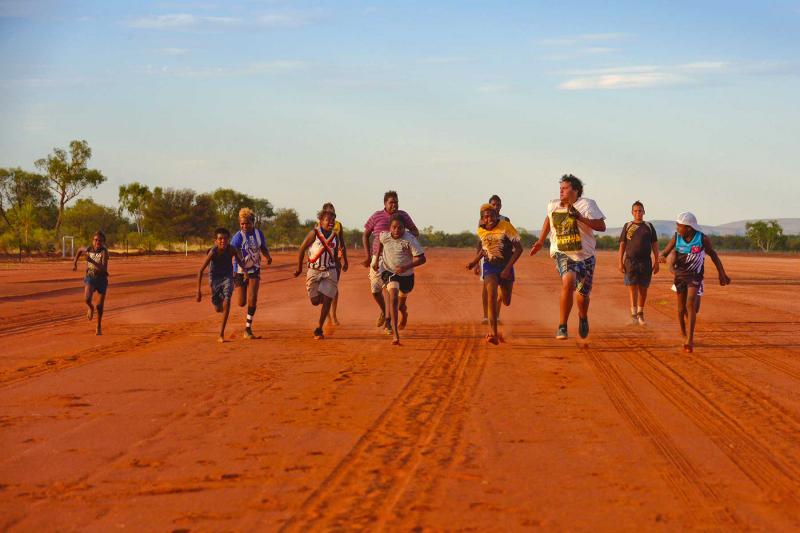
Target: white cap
x=688 y=219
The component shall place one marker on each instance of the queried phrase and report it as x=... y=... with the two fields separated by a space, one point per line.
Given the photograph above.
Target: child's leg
x=88 y=291
x=326 y=302
x=334 y=305
x=402 y=306
x=485 y=297
x=565 y=304
x=691 y=294
x=252 y=300
x=682 y=312
x=99 y=308
x=642 y=296
x=490 y=281
x=504 y=295
x=633 y=291
x=393 y=291
x=226 y=309
x=241 y=293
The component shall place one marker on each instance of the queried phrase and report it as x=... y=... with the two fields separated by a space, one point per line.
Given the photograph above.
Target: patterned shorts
x=221 y=290
x=584 y=271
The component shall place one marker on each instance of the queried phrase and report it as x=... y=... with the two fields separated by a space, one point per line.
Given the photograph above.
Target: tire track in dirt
x=363 y=490
x=777 y=478
x=93 y=354
x=685 y=480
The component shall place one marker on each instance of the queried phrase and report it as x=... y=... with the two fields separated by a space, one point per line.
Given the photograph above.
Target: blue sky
x=683 y=105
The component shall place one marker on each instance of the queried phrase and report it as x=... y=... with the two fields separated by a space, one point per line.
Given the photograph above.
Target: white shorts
x=322 y=282
x=375 y=281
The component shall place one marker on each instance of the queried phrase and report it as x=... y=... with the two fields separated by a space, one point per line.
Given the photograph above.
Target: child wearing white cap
x=691 y=247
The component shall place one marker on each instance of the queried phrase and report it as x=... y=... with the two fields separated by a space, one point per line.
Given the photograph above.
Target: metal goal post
x=71 y=240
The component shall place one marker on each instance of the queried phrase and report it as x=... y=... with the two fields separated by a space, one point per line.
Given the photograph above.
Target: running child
x=96 y=279
x=251 y=242
x=500 y=249
x=337 y=229
x=691 y=247
x=322 y=277
x=399 y=252
x=636 y=242
x=220 y=257
x=497 y=203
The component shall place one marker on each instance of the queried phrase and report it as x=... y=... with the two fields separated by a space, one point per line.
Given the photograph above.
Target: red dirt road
x=155 y=426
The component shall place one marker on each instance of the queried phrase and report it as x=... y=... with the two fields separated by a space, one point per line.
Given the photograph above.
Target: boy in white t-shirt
x=570 y=224
x=399 y=252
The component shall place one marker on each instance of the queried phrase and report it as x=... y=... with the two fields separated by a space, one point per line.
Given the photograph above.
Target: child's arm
x=506 y=273
x=662 y=257
x=655 y=257
x=200 y=274
x=343 y=248
x=380 y=253
x=302 y=254
x=240 y=259
x=265 y=251
x=472 y=264
x=80 y=251
x=542 y=236
x=417 y=260
x=723 y=277
x=367 y=249
x=622 y=246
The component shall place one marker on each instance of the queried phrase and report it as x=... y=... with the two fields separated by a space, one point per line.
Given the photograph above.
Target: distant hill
x=791 y=226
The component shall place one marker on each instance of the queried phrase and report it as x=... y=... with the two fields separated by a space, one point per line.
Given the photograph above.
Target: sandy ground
x=155 y=426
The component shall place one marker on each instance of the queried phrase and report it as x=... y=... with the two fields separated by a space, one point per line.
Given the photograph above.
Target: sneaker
x=640 y=318
x=381 y=319
x=583 y=327
x=561 y=334
x=318 y=335
x=387 y=327
x=248 y=334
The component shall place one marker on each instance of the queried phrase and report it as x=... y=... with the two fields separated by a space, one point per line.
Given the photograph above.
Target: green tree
x=228 y=203
x=285 y=228
x=18 y=187
x=765 y=234
x=69 y=175
x=86 y=216
x=263 y=210
x=177 y=214
x=133 y=198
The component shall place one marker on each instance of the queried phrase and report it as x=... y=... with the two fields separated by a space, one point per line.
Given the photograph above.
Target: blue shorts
x=488 y=268
x=96 y=283
x=584 y=271
x=221 y=290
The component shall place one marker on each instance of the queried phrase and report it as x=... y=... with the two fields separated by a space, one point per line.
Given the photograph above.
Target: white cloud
x=173 y=51
x=259 y=21
x=446 y=60
x=581 y=40
x=645 y=76
x=491 y=88
x=252 y=69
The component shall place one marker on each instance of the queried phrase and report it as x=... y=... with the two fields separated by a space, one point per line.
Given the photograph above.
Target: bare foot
x=396 y=342
x=492 y=339
x=335 y=321
x=221 y=339
x=98 y=331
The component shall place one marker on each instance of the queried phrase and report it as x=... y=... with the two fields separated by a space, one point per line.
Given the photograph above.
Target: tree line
x=38 y=207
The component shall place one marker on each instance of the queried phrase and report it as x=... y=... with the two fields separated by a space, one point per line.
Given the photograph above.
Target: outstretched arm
x=302 y=252
x=472 y=264
x=80 y=251
x=367 y=249
x=200 y=274
x=712 y=253
x=662 y=257
x=542 y=236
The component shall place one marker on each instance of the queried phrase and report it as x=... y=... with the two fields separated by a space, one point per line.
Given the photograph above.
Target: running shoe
x=583 y=327
x=248 y=334
x=561 y=334
x=387 y=327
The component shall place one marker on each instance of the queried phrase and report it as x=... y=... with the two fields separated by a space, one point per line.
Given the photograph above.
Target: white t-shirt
x=572 y=238
x=399 y=252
